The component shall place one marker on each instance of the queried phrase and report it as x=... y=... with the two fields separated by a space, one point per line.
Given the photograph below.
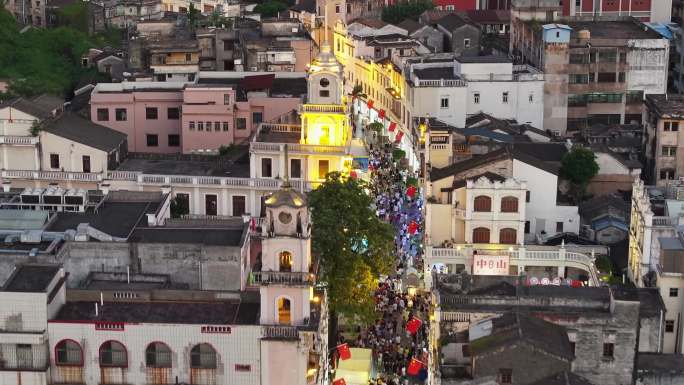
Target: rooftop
x=41 y=106
x=214 y=313
x=667 y=106
x=31 y=278
x=189 y=234
x=622 y=29
x=236 y=166
x=410 y=26
x=435 y=73
x=658 y=363
x=564 y=378
x=484 y=59
x=73 y=127
x=452 y=21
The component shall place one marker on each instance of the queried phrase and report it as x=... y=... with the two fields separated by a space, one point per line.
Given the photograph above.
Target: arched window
x=158 y=355
x=113 y=353
x=284 y=311
x=68 y=352
x=509 y=205
x=285 y=261
x=203 y=356
x=483 y=203
x=481 y=235
x=507 y=236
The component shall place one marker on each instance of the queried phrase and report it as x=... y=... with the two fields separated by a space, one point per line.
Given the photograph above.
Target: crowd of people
x=394 y=345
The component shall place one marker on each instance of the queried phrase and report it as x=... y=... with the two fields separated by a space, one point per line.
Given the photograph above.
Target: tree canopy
x=270 y=8
x=353 y=246
x=41 y=60
x=578 y=166
x=409 y=9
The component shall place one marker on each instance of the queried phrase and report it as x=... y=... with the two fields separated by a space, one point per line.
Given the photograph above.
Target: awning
x=357 y=369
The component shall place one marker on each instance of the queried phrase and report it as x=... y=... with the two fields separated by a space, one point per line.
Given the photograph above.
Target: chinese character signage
x=490 y=264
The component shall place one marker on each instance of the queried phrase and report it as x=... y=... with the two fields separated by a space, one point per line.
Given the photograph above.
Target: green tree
x=74 y=15
x=193 y=16
x=405 y=9
x=352 y=245
x=180 y=206
x=578 y=166
x=270 y=8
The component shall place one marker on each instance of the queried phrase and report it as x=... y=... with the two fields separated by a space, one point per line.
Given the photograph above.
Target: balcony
x=441 y=83
x=280 y=332
x=664 y=221
x=19 y=140
x=325 y=108
x=283 y=278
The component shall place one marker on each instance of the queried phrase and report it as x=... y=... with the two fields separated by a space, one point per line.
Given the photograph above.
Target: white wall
x=70 y=154
x=20 y=125
x=426 y=102
x=608 y=165
x=518 y=107
x=673 y=307
x=542 y=205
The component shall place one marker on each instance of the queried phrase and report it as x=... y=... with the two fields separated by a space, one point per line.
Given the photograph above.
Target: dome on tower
x=286 y=196
x=325 y=61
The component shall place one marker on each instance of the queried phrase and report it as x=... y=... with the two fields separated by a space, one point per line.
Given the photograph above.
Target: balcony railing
x=323 y=108
x=283 y=278
x=285 y=332
x=442 y=83
x=663 y=221
x=19 y=140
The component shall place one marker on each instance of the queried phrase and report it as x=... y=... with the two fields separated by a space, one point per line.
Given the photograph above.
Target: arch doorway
x=284 y=311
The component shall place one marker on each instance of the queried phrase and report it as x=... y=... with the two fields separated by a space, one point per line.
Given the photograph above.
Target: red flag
x=344 y=352
x=413 y=324
x=412 y=228
x=252 y=224
x=414 y=367
x=370 y=103
x=400 y=135
x=411 y=191
x=340 y=381
x=353 y=175
x=381 y=114
x=392 y=126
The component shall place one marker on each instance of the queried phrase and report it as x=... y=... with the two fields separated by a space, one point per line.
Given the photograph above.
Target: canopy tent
x=357 y=369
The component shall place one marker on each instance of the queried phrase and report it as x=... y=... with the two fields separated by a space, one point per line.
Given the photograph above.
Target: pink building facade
x=192 y=118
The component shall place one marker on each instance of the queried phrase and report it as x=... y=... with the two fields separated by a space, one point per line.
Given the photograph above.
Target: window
x=173 y=113
x=572 y=347
x=158 y=355
x=152 y=140
x=151 y=113
x=226 y=127
x=337 y=9
x=578 y=78
x=68 y=352
x=217 y=126
x=504 y=97
x=102 y=114
x=200 y=126
x=24 y=354
x=85 y=161
x=669 y=326
x=285 y=261
x=671 y=126
x=243 y=368
x=466 y=43
x=369 y=6
x=674 y=292
x=621 y=77
x=608 y=349
x=323 y=166
x=295 y=168
x=257 y=117
x=239 y=206
x=505 y=376
x=667 y=174
x=188 y=57
x=203 y=356
x=578 y=58
x=191 y=126
x=182 y=202
x=527 y=196
x=507 y=236
x=481 y=235
x=120 y=114
x=324 y=93
x=669 y=151
x=226 y=98
x=241 y=123
x=266 y=167
x=348 y=8
x=623 y=57
x=527 y=227
x=606 y=77
x=113 y=353
x=482 y=203
x=509 y=205
x=228 y=46
x=444 y=102
x=208 y=126
x=210 y=204
x=530 y=98
x=174 y=140
x=559 y=227
x=476 y=98
x=284 y=315
x=54 y=161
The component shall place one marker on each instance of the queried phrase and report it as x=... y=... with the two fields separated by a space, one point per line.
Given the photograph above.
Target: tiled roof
x=80 y=130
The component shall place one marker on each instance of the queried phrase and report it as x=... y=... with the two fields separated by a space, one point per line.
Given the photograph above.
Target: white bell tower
x=286 y=284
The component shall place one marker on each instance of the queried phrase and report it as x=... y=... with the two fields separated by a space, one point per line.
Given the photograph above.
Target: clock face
x=284 y=217
x=324 y=82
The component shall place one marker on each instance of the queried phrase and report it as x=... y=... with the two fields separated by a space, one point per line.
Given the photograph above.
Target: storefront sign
x=490 y=264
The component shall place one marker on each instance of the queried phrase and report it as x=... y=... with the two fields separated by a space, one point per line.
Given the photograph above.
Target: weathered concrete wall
x=80 y=258
x=534 y=367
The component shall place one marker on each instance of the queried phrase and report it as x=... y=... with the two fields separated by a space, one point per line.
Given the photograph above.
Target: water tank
x=584 y=34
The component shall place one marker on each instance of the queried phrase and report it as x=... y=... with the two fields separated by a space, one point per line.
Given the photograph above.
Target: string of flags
x=392 y=126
